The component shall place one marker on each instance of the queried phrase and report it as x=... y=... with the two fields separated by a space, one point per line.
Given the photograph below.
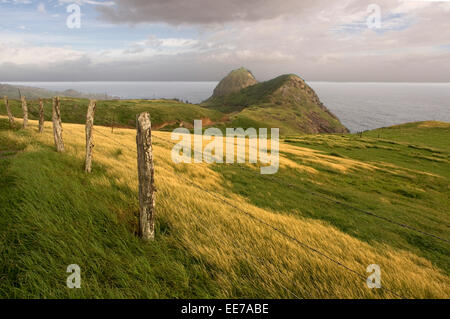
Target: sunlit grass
x=53 y=215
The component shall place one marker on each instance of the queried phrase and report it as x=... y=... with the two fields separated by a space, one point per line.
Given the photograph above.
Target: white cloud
x=321 y=40
x=17 y=1
x=18 y=52
x=154 y=45
x=41 y=8
x=92 y=2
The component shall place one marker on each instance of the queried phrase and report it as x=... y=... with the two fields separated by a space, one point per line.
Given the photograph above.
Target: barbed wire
x=239 y=248
x=300 y=243
x=123 y=145
x=258 y=258
x=274 y=228
x=344 y=204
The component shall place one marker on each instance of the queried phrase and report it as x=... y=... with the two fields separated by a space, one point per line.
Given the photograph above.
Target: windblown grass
x=53 y=215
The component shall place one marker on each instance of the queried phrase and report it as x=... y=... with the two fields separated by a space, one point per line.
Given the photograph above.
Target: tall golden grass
x=243 y=251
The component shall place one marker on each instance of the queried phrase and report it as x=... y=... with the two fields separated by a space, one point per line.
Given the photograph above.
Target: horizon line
x=197 y=81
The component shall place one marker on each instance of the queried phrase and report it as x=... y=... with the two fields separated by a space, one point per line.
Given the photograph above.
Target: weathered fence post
x=112 y=124
x=8 y=110
x=89 y=127
x=146 y=177
x=57 y=127
x=25 y=112
x=41 y=116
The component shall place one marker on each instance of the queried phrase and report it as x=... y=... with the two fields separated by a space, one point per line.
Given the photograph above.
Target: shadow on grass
x=290 y=192
x=53 y=215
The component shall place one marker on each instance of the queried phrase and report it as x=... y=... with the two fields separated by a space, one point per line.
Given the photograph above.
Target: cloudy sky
x=326 y=40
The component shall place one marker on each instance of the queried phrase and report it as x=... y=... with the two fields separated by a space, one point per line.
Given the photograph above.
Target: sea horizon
x=309 y=81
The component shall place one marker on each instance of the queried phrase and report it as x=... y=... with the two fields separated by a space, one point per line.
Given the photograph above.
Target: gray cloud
x=201 y=67
x=199 y=11
x=318 y=40
x=159 y=68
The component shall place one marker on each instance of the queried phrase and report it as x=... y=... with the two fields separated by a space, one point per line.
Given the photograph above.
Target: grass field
x=167 y=114
x=53 y=214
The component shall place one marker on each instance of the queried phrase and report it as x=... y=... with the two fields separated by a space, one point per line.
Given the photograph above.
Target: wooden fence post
x=112 y=124
x=89 y=127
x=41 y=116
x=146 y=177
x=57 y=127
x=8 y=110
x=25 y=112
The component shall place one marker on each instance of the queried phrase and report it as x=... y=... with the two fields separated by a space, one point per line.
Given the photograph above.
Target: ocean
x=359 y=106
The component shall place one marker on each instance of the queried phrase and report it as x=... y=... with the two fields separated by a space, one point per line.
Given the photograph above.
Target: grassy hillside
x=166 y=114
x=53 y=215
x=255 y=94
x=286 y=102
x=12 y=91
x=430 y=133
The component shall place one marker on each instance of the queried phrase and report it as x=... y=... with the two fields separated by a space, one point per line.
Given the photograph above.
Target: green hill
x=14 y=92
x=286 y=102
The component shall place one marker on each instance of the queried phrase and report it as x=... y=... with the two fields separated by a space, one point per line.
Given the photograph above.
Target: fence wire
x=274 y=228
x=323 y=196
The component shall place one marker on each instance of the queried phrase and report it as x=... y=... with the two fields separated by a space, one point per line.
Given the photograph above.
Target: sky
x=202 y=40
